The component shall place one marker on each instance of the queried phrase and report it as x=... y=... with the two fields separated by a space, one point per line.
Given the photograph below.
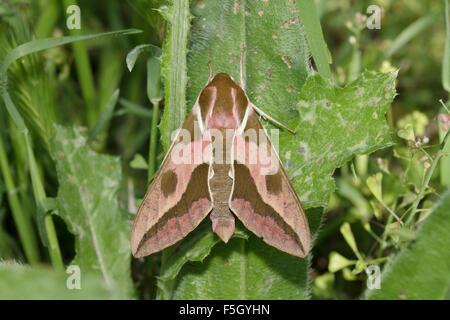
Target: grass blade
x=133 y=108
x=446 y=62
x=410 y=32
x=105 y=117
x=311 y=22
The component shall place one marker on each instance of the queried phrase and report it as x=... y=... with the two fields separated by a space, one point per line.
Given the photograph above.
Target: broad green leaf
x=247 y=269
x=275 y=63
x=276 y=60
x=422 y=270
x=154 y=91
x=88 y=185
x=244 y=269
x=332 y=124
x=26 y=283
x=444 y=126
x=196 y=247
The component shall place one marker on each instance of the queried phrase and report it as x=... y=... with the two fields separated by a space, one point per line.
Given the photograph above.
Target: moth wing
x=266 y=203
x=178 y=199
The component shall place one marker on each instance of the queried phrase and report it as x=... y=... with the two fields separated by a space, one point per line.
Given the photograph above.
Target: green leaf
x=244 y=269
x=323 y=286
x=347 y=233
x=196 y=247
x=275 y=64
x=88 y=185
x=154 y=91
x=45 y=206
x=333 y=125
x=422 y=270
x=138 y=162
x=276 y=61
x=374 y=183
x=338 y=262
x=22 y=282
x=407 y=133
x=134 y=54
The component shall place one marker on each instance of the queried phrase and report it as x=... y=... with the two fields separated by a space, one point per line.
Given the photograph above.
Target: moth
x=217 y=165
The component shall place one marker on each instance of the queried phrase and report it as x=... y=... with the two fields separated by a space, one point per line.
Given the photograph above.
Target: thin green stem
x=26 y=232
x=311 y=22
x=428 y=175
x=84 y=71
x=153 y=142
x=53 y=244
x=48 y=18
x=175 y=65
x=39 y=195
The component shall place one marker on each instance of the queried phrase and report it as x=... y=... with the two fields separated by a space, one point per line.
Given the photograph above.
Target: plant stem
x=311 y=22
x=48 y=18
x=39 y=195
x=153 y=142
x=427 y=179
x=175 y=65
x=84 y=71
x=23 y=223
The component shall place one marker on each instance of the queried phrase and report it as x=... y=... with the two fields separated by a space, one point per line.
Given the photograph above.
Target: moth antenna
x=241 y=74
x=210 y=71
x=267 y=117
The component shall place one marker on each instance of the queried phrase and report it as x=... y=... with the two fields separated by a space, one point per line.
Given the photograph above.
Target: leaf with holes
x=88 y=185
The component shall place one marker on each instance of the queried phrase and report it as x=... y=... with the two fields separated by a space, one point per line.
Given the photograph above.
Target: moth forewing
x=176 y=201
